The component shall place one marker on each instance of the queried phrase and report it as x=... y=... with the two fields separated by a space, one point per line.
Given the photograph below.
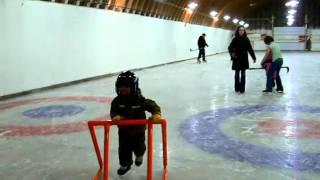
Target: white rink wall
x=287 y=37
x=315 y=39
x=44 y=44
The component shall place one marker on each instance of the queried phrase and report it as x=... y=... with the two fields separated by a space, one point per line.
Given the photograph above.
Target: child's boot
x=123 y=170
x=139 y=160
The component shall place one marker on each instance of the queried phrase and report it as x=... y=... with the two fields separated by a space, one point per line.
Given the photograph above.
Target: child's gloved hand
x=156 y=117
x=116 y=118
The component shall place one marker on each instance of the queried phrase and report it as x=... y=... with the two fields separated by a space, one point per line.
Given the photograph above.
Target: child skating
x=130 y=105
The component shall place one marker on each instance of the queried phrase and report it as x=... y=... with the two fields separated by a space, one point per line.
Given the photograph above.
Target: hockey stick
x=193 y=50
x=264 y=68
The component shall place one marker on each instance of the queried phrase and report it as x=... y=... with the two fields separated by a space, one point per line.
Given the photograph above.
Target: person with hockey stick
x=201 y=47
x=238 y=50
x=266 y=64
x=276 y=64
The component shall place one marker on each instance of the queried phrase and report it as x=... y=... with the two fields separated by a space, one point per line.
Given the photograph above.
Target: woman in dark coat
x=238 y=49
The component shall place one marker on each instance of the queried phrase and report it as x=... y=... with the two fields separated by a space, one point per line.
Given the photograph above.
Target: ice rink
x=213 y=132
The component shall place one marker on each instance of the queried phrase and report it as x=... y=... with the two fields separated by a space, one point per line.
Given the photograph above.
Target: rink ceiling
x=257 y=13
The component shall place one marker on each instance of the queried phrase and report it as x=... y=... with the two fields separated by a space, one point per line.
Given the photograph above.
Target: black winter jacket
x=202 y=42
x=238 y=49
x=133 y=107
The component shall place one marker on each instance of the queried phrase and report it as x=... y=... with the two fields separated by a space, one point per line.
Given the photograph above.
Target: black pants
x=240 y=82
x=129 y=143
x=202 y=54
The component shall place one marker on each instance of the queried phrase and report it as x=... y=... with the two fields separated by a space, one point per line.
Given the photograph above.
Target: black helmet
x=129 y=79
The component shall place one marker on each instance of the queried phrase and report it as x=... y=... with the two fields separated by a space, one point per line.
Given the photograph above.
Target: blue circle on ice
x=206 y=134
x=53 y=111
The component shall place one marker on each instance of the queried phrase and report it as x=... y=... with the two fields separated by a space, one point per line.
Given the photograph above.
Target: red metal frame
x=104 y=165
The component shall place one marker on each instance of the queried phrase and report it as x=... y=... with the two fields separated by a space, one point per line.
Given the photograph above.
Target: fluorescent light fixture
x=241 y=23
x=290 y=16
x=289 y=23
x=292 y=11
x=213 y=13
x=290 y=20
x=192 y=5
x=226 y=17
x=246 y=25
x=292 y=3
x=235 y=20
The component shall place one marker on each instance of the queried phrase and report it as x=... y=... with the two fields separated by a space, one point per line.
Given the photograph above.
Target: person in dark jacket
x=308 y=43
x=201 y=45
x=131 y=105
x=238 y=49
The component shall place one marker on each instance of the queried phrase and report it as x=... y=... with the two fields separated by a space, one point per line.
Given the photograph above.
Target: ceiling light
x=226 y=17
x=292 y=11
x=246 y=25
x=235 y=20
x=289 y=23
x=290 y=16
x=213 y=13
x=292 y=3
x=252 y=3
x=192 y=5
x=290 y=20
x=241 y=23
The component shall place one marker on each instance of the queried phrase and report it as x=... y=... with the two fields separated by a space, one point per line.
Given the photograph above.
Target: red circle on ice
x=291 y=128
x=44 y=130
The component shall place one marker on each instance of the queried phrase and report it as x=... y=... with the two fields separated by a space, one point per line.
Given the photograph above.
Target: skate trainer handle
x=104 y=164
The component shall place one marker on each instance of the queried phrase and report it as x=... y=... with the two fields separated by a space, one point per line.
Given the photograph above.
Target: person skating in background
x=308 y=43
x=238 y=50
x=129 y=104
x=201 y=46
